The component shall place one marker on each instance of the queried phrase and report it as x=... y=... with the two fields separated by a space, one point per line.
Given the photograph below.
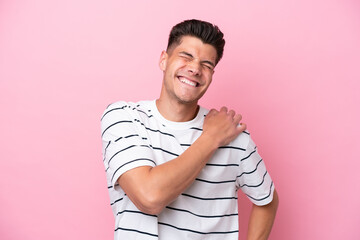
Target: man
x=173 y=167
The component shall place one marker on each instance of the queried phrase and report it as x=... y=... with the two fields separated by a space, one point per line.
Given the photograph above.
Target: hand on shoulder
x=223 y=126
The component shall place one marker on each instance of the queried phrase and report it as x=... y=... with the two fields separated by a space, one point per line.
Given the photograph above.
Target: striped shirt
x=135 y=134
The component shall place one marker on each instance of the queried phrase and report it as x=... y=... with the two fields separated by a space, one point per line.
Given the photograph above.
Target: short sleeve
x=254 y=179
x=124 y=147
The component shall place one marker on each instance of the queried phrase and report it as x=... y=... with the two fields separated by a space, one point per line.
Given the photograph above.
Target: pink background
x=290 y=67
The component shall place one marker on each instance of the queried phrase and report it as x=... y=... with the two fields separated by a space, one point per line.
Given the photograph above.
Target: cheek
x=208 y=77
x=179 y=64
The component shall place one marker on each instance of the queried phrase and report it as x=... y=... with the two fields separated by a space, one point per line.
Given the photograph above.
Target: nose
x=194 y=67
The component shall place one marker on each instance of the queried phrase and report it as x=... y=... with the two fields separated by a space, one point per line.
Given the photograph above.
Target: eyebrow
x=205 y=61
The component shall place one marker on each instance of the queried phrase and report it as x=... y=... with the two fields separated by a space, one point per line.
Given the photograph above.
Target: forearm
x=172 y=178
x=262 y=219
x=160 y=185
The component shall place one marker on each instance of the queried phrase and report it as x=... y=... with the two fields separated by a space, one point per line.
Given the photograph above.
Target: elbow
x=154 y=211
x=150 y=208
x=150 y=203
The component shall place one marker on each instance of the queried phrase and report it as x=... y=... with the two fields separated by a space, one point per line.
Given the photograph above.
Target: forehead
x=196 y=47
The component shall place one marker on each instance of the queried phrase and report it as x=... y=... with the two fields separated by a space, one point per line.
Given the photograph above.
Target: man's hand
x=223 y=126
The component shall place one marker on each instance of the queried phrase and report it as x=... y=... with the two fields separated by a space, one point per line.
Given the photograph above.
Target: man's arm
x=153 y=188
x=262 y=219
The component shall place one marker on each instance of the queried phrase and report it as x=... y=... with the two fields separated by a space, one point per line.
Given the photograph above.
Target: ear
x=163 y=60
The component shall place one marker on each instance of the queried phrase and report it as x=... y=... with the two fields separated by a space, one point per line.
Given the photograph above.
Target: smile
x=188 y=82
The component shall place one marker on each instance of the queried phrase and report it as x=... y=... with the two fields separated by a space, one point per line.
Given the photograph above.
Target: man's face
x=188 y=69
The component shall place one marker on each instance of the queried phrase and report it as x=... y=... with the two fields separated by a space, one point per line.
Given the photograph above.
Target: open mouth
x=187 y=81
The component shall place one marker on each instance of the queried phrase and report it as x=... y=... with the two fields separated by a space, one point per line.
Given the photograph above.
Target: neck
x=177 y=112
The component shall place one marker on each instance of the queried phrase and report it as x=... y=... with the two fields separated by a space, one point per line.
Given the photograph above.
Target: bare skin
x=262 y=219
x=188 y=69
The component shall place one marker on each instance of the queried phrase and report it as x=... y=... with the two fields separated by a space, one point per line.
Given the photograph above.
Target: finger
x=241 y=127
x=237 y=118
x=223 y=109
x=211 y=112
x=231 y=113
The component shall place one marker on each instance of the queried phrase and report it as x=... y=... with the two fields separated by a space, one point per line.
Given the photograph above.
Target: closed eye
x=210 y=67
x=208 y=64
x=186 y=55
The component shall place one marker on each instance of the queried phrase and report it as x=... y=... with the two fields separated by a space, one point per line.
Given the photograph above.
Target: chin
x=184 y=100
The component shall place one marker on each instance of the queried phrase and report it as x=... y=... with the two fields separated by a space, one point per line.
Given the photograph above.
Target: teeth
x=184 y=80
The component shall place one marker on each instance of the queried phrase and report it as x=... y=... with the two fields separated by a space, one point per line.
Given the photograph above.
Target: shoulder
x=122 y=118
x=243 y=141
x=120 y=108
